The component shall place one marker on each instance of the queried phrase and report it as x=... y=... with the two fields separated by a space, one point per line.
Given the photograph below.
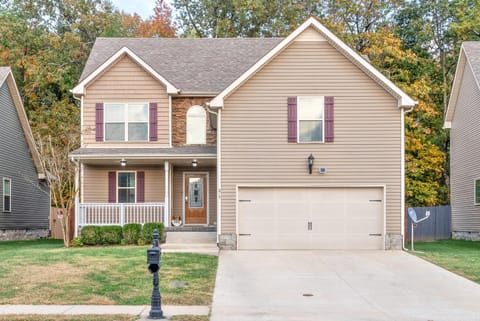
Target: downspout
x=77 y=168
x=402 y=193
x=219 y=170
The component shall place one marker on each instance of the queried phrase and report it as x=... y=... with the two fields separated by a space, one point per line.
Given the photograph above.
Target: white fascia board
x=80 y=88
x=22 y=116
x=457 y=82
x=403 y=99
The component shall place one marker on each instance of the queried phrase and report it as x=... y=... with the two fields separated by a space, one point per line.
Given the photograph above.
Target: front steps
x=189 y=241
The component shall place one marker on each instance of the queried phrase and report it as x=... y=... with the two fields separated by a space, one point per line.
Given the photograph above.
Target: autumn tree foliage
x=159 y=25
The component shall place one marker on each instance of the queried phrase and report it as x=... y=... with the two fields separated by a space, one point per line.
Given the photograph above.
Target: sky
x=143 y=7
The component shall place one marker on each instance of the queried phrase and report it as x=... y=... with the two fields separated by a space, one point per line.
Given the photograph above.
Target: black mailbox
x=153 y=255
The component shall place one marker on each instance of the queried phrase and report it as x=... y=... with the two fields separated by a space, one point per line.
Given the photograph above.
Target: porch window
x=126 y=188
x=196 y=125
x=126 y=122
x=310 y=119
x=7 y=195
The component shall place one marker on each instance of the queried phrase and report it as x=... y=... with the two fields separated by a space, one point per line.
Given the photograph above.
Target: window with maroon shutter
x=99 y=122
x=112 y=187
x=329 y=119
x=292 y=119
x=153 y=122
x=141 y=187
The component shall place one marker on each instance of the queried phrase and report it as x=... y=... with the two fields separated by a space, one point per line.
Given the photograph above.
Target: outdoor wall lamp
x=123 y=162
x=194 y=163
x=310 y=163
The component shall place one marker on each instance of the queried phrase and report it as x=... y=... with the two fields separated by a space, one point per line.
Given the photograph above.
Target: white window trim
x=125 y=122
x=118 y=187
x=3 y=194
x=323 y=122
x=475 y=191
x=205 y=124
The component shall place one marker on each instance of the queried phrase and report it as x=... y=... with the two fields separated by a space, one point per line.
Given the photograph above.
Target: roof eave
x=17 y=100
x=80 y=88
x=452 y=102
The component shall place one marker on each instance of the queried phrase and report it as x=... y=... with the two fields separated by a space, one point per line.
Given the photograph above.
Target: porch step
x=191 y=228
x=201 y=248
x=187 y=237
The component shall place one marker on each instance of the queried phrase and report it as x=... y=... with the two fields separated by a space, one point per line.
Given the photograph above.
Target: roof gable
x=80 y=88
x=201 y=65
x=6 y=77
x=469 y=57
x=403 y=99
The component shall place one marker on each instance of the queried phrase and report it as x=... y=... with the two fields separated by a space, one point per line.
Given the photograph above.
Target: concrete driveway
x=338 y=285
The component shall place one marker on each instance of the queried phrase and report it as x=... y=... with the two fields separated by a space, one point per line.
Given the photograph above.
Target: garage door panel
x=339 y=218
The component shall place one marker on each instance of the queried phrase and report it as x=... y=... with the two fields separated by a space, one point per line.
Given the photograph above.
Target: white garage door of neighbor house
x=310 y=218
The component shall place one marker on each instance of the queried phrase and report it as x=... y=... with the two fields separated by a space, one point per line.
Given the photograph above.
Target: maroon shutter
x=329 y=119
x=112 y=187
x=292 y=119
x=99 y=122
x=140 y=187
x=153 y=122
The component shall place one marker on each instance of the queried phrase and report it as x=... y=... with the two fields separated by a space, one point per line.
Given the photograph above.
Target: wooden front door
x=195 y=199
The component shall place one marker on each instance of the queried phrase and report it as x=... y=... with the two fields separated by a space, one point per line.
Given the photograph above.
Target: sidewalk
x=140 y=310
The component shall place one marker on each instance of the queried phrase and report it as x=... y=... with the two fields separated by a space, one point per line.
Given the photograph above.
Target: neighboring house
x=24 y=193
x=463 y=119
x=218 y=133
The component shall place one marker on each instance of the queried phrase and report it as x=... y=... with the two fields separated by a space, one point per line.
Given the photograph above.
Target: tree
x=159 y=25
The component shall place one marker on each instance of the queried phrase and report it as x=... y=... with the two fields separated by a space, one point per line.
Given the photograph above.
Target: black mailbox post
x=153 y=261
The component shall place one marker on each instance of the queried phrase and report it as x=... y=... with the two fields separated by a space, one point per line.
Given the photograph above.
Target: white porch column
x=166 y=212
x=77 y=191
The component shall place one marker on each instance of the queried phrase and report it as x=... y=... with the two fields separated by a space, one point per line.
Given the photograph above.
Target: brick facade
x=180 y=107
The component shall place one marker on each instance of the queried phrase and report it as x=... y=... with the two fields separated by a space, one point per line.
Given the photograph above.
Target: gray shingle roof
x=472 y=52
x=192 y=65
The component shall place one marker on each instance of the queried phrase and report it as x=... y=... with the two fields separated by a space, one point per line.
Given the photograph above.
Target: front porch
x=180 y=192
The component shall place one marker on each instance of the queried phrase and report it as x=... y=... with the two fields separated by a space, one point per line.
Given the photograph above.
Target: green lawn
x=44 y=272
x=460 y=257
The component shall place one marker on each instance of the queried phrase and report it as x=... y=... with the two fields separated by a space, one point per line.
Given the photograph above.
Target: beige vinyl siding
x=465 y=156
x=367 y=147
x=95 y=183
x=124 y=82
x=177 y=202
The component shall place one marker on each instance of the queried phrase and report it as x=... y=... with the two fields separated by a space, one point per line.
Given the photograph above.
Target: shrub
x=89 y=235
x=132 y=233
x=110 y=234
x=76 y=242
x=148 y=231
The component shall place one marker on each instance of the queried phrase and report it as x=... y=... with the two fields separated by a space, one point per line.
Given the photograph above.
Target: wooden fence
x=56 y=225
x=437 y=227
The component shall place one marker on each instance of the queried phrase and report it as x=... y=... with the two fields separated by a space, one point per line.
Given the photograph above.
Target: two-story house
x=24 y=192
x=291 y=143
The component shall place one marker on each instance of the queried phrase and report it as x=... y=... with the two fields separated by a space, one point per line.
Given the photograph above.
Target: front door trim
x=207 y=196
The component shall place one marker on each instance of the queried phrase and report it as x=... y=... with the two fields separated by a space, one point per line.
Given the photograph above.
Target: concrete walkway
x=339 y=286
x=140 y=310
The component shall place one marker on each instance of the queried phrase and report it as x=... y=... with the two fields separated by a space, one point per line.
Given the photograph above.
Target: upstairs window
x=126 y=122
x=196 y=125
x=7 y=195
x=310 y=119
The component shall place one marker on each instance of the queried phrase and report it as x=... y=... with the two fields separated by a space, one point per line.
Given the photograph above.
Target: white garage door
x=310 y=218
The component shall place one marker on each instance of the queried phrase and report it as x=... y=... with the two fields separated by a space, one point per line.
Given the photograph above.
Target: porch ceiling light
x=194 y=163
x=310 y=163
x=123 y=162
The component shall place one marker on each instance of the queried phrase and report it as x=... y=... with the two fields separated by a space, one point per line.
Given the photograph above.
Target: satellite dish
x=412 y=214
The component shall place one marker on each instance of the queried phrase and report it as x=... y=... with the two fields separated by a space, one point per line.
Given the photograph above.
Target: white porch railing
x=119 y=214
